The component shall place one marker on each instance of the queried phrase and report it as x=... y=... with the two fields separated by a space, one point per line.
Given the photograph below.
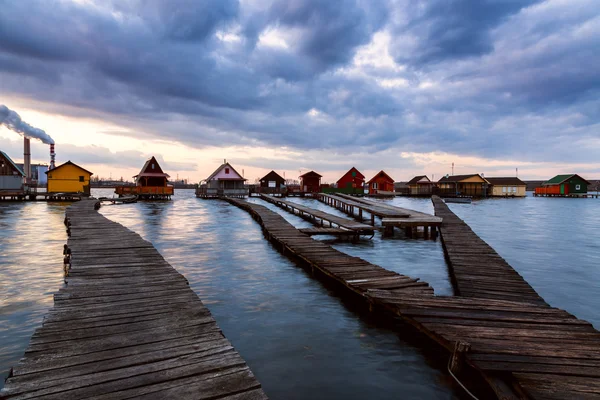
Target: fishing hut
x=420 y=186
x=506 y=187
x=570 y=185
x=150 y=184
x=225 y=181
x=473 y=185
x=352 y=182
x=272 y=183
x=11 y=179
x=310 y=182
x=68 y=178
x=381 y=183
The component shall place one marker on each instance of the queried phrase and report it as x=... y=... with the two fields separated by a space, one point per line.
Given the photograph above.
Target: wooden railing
x=137 y=190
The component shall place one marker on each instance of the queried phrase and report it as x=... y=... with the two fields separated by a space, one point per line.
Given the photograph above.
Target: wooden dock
x=319 y=217
x=391 y=216
x=127 y=325
x=353 y=272
x=477 y=270
x=522 y=348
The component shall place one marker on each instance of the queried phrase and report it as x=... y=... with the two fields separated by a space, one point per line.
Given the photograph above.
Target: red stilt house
x=352 y=179
x=310 y=182
x=151 y=183
x=381 y=182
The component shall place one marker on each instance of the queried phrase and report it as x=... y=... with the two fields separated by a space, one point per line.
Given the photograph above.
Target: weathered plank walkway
x=477 y=269
x=523 y=349
x=355 y=273
x=127 y=325
x=319 y=217
x=391 y=216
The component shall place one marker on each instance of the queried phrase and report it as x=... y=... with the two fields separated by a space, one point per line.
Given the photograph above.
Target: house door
x=562 y=189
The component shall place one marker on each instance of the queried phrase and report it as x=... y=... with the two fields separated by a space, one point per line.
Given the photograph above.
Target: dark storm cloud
x=454 y=29
x=486 y=78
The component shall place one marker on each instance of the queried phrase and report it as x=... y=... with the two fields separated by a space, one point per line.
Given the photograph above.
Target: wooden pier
x=391 y=216
x=346 y=226
x=522 y=347
x=353 y=272
x=126 y=325
x=477 y=270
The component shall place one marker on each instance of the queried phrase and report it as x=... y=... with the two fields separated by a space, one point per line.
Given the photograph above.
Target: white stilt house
x=224 y=182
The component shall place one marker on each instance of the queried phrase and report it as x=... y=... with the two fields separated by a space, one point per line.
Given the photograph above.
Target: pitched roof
x=506 y=181
x=417 y=179
x=226 y=164
x=151 y=174
x=379 y=174
x=458 y=178
x=358 y=174
x=69 y=163
x=15 y=166
x=310 y=173
x=272 y=176
x=558 y=179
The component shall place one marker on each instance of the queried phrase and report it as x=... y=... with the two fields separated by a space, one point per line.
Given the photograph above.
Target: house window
x=152 y=165
x=504 y=189
x=226 y=170
x=374 y=185
x=577 y=187
x=272 y=184
x=514 y=189
x=81 y=179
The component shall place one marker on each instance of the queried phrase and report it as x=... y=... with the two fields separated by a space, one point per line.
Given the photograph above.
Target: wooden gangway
x=477 y=270
x=319 y=217
x=354 y=272
x=522 y=349
x=391 y=216
x=127 y=325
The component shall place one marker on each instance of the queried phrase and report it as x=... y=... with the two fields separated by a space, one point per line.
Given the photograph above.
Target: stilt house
x=463 y=185
x=225 y=181
x=310 y=182
x=69 y=178
x=381 y=182
x=420 y=186
x=152 y=183
x=11 y=176
x=271 y=183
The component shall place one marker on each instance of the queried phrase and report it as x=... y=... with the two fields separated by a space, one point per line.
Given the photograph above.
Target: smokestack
x=27 y=159
x=52 y=156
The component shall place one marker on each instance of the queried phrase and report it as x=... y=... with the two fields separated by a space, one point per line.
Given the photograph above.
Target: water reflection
x=299 y=338
x=32 y=236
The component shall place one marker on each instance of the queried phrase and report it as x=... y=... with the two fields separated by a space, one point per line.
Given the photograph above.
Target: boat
x=463 y=200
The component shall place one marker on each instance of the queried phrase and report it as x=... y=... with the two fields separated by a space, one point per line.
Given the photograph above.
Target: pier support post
x=388 y=231
x=458 y=356
x=373 y=219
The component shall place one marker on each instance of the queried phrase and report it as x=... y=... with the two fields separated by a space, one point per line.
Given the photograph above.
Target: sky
x=406 y=86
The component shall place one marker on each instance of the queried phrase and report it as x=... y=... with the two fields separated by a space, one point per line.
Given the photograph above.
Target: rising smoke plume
x=13 y=121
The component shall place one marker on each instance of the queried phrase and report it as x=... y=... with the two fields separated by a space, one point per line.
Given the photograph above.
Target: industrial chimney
x=52 y=156
x=27 y=159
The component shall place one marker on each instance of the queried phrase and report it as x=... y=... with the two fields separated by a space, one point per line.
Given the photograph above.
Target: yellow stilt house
x=69 y=178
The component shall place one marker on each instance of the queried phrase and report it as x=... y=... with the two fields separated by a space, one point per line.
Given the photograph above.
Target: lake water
x=300 y=339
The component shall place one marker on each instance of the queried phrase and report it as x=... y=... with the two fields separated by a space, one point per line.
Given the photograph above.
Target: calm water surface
x=299 y=338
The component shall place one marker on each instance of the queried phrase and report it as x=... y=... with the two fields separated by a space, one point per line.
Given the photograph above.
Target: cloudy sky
x=403 y=85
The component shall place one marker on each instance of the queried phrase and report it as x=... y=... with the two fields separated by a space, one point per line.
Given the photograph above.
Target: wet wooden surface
x=477 y=269
x=522 y=348
x=319 y=217
x=127 y=325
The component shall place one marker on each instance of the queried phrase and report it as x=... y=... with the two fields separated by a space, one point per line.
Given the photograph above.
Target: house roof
x=417 y=179
x=458 y=178
x=226 y=164
x=272 y=176
x=15 y=166
x=380 y=174
x=69 y=163
x=558 y=179
x=310 y=173
x=506 y=181
x=358 y=174
x=151 y=174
